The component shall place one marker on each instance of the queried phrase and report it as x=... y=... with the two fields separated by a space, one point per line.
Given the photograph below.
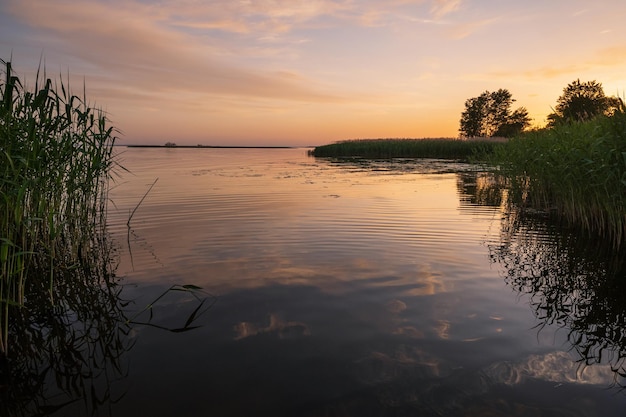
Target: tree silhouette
x=582 y=101
x=473 y=116
x=490 y=115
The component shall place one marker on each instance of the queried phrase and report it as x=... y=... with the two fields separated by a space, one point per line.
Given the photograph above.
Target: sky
x=306 y=73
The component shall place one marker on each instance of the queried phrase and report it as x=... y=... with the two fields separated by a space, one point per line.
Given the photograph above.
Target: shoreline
x=207 y=146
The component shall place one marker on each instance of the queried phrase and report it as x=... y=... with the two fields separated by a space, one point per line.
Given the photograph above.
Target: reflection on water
x=481 y=189
x=557 y=367
x=343 y=289
x=67 y=343
x=400 y=166
x=574 y=283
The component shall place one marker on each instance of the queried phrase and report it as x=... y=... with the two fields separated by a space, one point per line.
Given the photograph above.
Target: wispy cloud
x=614 y=56
x=134 y=44
x=465 y=29
x=259 y=16
x=357 y=64
x=195 y=47
x=440 y=8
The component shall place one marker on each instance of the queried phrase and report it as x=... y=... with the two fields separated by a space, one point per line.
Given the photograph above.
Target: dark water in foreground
x=346 y=289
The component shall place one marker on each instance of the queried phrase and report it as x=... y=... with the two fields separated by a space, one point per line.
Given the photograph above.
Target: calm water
x=343 y=289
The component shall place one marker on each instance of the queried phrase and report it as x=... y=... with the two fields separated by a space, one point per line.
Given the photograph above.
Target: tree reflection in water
x=574 y=282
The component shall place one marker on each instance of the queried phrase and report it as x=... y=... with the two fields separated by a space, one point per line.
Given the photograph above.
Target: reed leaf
x=55 y=163
x=576 y=172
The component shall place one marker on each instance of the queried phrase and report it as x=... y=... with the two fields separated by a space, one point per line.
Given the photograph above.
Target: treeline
x=490 y=114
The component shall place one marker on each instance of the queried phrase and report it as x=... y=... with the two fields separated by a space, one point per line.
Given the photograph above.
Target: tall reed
x=443 y=148
x=576 y=171
x=55 y=162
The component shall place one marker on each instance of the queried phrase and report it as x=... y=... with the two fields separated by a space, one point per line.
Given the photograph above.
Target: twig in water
x=140 y=201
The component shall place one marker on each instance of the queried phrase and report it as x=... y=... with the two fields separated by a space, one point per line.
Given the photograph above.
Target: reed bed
x=576 y=171
x=55 y=163
x=440 y=148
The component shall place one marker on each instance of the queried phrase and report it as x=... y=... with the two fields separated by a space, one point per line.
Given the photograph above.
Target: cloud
x=614 y=56
x=258 y=16
x=461 y=31
x=611 y=56
x=193 y=47
x=136 y=45
x=440 y=8
x=282 y=16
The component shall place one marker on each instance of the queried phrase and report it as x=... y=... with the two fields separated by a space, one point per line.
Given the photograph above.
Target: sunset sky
x=294 y=72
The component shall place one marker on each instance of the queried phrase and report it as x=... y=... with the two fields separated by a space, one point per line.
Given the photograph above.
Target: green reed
x=55 y=163
x=444 y=148
x=576 y=171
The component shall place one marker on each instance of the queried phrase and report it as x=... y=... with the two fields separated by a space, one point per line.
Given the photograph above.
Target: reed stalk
x=55 y=163
x=440 y=148
x=575 y=171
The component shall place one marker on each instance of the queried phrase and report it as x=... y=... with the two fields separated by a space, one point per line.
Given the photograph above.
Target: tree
x=473 y=116
x=582 y=101
x=516 y=123
x=490 y=115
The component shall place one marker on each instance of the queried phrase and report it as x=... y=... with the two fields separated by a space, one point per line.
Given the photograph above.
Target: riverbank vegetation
x=55 y=163
x=575 y=171
x=575 y=168
x=441 y=148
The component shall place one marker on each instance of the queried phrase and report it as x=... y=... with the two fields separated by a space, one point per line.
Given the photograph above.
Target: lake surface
x=345 y=289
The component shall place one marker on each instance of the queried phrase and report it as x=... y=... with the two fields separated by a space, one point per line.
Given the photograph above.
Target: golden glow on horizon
x=305 y=73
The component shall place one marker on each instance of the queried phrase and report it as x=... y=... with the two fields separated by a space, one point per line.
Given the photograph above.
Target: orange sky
x=309 y=72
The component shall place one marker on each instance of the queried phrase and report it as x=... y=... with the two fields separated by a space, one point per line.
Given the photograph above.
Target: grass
x=441 y=148
x=575 y=171
x=55 y=163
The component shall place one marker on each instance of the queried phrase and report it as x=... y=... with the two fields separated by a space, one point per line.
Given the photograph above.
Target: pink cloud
x=132 y=44
x=441 y=8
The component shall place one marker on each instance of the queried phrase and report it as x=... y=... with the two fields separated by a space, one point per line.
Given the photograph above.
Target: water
x=343 y=289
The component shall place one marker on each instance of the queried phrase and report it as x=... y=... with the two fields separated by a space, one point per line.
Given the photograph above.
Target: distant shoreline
x=208 y=146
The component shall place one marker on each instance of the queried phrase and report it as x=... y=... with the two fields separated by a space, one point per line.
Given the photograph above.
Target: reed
x=575 y=171
x=55 y=162
x=441 y=148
